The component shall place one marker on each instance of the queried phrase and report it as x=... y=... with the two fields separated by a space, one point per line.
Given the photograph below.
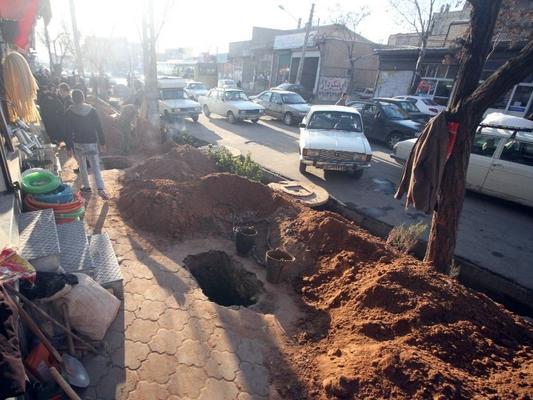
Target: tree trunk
x=445 y=222
x=418 y=68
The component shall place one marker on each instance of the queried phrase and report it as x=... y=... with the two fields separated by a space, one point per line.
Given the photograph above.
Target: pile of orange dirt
x=384 y=325
x=197 y=207
x=182 y=163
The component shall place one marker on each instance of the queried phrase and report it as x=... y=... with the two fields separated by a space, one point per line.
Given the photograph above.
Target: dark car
x=409 y=107
x=296 y=88
x=386 y=122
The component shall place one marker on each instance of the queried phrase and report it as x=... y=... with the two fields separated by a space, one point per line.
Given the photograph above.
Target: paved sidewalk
x=169 y=341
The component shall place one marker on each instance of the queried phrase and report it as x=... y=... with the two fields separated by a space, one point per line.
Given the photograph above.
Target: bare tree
x=467 y=104
x=420 y=16
x=58 y=47
x=348 y=34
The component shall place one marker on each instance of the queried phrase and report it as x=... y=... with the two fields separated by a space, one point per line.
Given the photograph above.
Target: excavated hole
x=115 y=162
x=223 y=280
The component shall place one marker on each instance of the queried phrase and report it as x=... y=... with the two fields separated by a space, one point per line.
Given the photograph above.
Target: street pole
x=76 y=37
x=302 y=58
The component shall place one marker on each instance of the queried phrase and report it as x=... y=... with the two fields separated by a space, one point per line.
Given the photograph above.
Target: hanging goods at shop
x=21 y=89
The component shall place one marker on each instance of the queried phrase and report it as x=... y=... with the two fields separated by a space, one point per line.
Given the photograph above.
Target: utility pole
x=76 y=37
x=150 y=69
x=302 y=58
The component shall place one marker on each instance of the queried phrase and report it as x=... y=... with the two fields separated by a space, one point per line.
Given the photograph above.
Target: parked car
x=425 y=104
x=386 y=122
x=363 y=93
x=232 y=104
x=409 y=107
x=195 y=90
x=173 y=102
x=332 y=138
x=290 y=107
x=296 y=88
x=501 y=162
x=227 y=84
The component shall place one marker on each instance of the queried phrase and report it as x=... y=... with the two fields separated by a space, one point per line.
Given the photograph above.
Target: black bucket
x=244 y=239
x=276 y=262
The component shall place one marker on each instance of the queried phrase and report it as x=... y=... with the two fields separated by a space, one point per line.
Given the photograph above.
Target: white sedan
x=332 y=138
x=501 y=162
x=426 y=105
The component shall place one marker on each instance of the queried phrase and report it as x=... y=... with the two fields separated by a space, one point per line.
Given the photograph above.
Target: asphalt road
x=495 y=234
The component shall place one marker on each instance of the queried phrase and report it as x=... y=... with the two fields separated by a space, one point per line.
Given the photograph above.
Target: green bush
x=239 y=165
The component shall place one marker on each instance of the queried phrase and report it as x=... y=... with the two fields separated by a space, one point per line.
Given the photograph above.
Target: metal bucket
x=277 y=261
x=244 y=239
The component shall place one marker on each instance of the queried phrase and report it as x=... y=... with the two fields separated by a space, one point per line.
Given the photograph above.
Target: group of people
x=68 y=119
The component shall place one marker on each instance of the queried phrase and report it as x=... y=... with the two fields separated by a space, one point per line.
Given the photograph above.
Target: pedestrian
x=85 y=136
x=64 y=95
x=52 y=112
x=342 y=100
x=126 y=121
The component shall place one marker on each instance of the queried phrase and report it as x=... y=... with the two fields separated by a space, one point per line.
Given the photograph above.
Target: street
x=495 y=234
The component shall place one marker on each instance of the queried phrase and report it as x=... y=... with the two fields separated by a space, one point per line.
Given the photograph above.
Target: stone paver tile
x=198 y=329
x=224 y=340
x=172 y=282
x=222 y=365
x=132 y=301
x=142 y=330
x=253 y=379
x=165 y=341
x=149 y=390
x=151 y=310
x=156 y=293
x=138 y=286
x=137 y=270
x=133 y=354
x=192 y=352
x=219 y=390
x=129 y=317
x=248 y=396
x=174 y=319
x=251 y=350
x=187 y=381
x=175 y=302
x=157 y=368
x=127 y=385
x=204 y=309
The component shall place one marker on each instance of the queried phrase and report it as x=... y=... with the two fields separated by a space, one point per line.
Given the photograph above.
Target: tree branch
x=501 y=81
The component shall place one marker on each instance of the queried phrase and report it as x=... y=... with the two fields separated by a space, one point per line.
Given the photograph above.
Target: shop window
x=520 y=98
x=444 y=89
x=441 y=71
x=452 y=71
x=426 y=87
x=431 y=70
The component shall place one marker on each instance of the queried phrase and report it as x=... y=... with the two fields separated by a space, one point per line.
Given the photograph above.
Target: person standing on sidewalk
x=342 y=100
x=85 y=136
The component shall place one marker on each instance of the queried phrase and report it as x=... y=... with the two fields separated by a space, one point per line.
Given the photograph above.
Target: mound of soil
x=394 y=327
x=180 y=164
x=201 y=206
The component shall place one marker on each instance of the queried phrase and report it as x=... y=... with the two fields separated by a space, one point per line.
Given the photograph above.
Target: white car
x=227 y=84
x=195 y=89
x=425 y=104
x=501 y=162
x=173 y=102
x=332 y=138
x=232 y=104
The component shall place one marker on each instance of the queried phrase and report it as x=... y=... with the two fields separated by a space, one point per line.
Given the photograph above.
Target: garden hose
x=62 y=195
x=75 y=214
x=40 y=182
x=74 y=205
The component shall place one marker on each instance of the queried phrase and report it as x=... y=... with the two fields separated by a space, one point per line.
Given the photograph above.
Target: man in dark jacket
x=64 y=95
x=84 y=135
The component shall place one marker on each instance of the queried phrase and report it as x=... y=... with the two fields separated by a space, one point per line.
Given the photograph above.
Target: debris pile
x=196 y=207
x=393 y=327
x=180 y=164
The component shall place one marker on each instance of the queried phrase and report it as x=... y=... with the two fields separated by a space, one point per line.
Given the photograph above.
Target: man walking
x=84 y=135
x=342 y=100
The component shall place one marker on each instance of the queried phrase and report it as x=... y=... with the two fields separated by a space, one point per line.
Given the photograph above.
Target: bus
x=189 y=69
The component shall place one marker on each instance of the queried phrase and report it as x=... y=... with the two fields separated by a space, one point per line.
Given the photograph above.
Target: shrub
x=239 y=165
x=404 y=238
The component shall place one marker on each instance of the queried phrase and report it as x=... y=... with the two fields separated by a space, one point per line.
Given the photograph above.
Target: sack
x=91 y=308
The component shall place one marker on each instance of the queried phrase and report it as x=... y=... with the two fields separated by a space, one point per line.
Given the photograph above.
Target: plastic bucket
x=244 y=239
x=277 y=261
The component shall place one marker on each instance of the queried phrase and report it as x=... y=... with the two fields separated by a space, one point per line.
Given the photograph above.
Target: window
x=293 y=98
x=520 y=98
x=518 y=152
x=393 y=112
x=235 y=95
x=276 y=98
x=265 y=96
x=444 y=88
x=335 y=120
x=369 y=109
x=409 y=107
x=484 y=145
x=172 y=94
x=213 y=94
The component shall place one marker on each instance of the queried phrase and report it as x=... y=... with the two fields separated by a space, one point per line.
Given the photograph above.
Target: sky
x=209 y=25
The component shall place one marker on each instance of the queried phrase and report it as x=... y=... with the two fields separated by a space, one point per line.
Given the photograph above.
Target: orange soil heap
x=379 y=324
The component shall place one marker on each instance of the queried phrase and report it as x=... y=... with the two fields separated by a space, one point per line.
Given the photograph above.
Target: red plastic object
x=453 y=127
x=39 y=362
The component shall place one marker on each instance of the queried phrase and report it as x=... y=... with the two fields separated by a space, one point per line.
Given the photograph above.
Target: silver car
x=232 y=104
x=290 y=107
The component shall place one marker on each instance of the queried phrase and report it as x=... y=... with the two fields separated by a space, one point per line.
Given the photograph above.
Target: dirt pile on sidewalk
x=109 y=119
x=197 y=207
x=384 y=325
x=180 y=164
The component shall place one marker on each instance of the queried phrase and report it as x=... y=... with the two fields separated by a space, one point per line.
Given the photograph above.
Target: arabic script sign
x=330 y=88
